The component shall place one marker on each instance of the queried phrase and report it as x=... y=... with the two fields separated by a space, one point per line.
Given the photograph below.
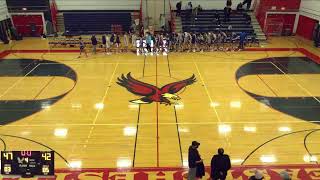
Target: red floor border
x=299 y=171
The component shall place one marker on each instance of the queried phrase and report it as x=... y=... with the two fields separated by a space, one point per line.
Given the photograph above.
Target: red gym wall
x=306 y=27
x=23 y=24
x=266 y=5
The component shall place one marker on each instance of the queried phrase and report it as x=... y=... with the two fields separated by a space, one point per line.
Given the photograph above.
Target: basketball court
x=262 y=106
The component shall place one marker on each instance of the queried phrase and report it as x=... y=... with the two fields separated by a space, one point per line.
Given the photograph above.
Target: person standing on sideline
x=193 y=160
x=94 y=43
x=220 y=164
x=108 y=51
x=242 y=40
x=104 y=43
x=118 y=42
x=82 y=47
x=178 y=7
x=125 y=41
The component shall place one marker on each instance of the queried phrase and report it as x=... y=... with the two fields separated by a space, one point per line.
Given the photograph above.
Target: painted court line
x=207 y=91
x=18 y=81
x=184 y=123
x=103 y=99
x=304 y=89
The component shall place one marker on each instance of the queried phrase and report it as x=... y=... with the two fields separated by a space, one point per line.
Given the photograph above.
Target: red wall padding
x=265 y=5
x=306 y=27
x=23 y=24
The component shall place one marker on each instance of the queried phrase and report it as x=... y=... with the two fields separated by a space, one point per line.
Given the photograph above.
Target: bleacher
x=204 y=22
x=85 y=23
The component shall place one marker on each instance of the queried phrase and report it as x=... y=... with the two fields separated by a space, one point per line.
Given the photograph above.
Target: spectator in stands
x=248 y=2
x=257 y=176
x=229 y=32
x=189 y=6
x=220 y=164
x=82 y=47
x=227 y=12
x=189 y=9
x=94 y=43
x=229 y=3
x=240 y=7
x=285 y=175
x=125 y=41
x=248 y=18
x=216 y=19
x=193 y=159
x=178 y=7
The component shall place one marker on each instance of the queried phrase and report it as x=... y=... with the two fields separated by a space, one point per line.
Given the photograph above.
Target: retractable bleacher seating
x=204 y=22
x=79 y=23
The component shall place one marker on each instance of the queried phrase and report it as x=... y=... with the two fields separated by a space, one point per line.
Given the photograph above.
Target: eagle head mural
x=150 y=93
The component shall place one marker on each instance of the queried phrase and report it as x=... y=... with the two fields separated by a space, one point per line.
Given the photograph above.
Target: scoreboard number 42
x=27 y=163
x=46 y=156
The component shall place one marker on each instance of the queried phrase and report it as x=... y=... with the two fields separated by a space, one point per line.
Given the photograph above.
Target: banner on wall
x=54 y=13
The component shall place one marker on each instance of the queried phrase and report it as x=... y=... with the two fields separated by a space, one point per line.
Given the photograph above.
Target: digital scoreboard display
x=27 y=163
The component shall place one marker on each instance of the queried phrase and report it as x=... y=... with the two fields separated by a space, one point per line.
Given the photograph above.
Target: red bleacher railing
x=172 y=16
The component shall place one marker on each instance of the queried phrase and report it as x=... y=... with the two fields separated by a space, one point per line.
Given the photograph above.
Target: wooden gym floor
x=261 y=106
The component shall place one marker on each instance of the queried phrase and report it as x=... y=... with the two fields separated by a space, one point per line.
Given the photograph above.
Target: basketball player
x=82 y=48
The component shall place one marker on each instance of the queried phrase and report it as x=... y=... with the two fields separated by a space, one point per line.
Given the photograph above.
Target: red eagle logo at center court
x=166 y=95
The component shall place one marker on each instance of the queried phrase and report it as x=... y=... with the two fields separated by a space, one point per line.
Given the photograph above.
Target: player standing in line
x=126 y=42
x=108 y=51
x=194 y=42
x=104 y=43
x=118 y=43
x=82 y=48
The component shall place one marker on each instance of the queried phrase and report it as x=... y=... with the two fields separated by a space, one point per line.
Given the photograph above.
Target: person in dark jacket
x=94 y=43
x=104 y=43
x=193 y=160
x=240 y=7
x=220 y=164
x=178 y=6
x=248 y=2
x=200 y=170
x=229 y=3
x=227 y=12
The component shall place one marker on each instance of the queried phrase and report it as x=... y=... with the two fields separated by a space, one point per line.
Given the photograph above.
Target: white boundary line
x=103 y=99
x=304 y=89
x=18 y=81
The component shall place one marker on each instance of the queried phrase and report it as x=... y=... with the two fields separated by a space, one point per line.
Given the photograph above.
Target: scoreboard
x=27 y=163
